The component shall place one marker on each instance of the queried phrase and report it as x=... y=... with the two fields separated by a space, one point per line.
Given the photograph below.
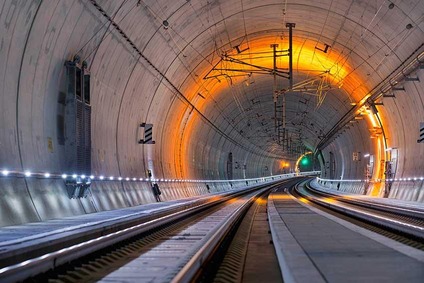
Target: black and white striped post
x=148 y=134
x=421 y=139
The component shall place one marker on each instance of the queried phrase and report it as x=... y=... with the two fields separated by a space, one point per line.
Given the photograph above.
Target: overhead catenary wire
x=106 y=32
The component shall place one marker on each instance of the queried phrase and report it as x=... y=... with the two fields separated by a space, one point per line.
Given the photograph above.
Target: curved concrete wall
x=401 y=117
x=37 y=37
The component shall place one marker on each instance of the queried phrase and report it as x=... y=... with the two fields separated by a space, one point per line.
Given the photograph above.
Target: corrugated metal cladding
x=77 y=121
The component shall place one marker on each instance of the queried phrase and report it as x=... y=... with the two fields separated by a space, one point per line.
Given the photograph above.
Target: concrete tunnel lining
x=38 y=36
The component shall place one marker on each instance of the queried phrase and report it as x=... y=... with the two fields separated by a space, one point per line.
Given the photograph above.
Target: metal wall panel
x=77 y=121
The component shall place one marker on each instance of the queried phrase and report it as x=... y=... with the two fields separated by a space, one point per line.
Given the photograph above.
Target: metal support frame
x=275 y=93
x=398 y=88
x=241 y=65
x=220 y=70
x=411 y=64
x=290 y=26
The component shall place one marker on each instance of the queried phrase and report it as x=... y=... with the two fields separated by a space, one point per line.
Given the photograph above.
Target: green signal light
x=305 y=161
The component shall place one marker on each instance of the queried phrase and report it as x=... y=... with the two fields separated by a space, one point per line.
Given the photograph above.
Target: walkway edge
x=294 y=263
x=397 y=246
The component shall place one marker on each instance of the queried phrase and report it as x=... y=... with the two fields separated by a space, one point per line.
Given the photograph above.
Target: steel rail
x=411 y=230
x=51 y=260
x=409 y=212
x=189 y=271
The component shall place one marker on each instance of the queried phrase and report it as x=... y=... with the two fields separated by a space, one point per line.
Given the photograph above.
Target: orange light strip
x=307 y=60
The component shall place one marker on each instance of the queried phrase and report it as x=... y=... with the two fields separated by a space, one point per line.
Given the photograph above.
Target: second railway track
x=400 y=224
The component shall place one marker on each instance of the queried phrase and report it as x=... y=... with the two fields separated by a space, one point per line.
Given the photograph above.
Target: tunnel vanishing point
x=100 y=98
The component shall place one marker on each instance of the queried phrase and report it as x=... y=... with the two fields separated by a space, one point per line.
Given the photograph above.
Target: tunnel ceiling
x=342 y=48
x=249 y=106
x=186 y=67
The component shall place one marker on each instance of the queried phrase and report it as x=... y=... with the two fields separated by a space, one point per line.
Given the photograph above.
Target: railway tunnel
x=100 y=99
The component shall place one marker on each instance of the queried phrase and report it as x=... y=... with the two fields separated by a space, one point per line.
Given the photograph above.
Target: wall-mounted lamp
x=367 y=155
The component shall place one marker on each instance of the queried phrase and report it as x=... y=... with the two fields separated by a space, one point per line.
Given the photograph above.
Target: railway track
x=227 y=240
x=405 y=225
x=250 y=255
x=176 y=248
